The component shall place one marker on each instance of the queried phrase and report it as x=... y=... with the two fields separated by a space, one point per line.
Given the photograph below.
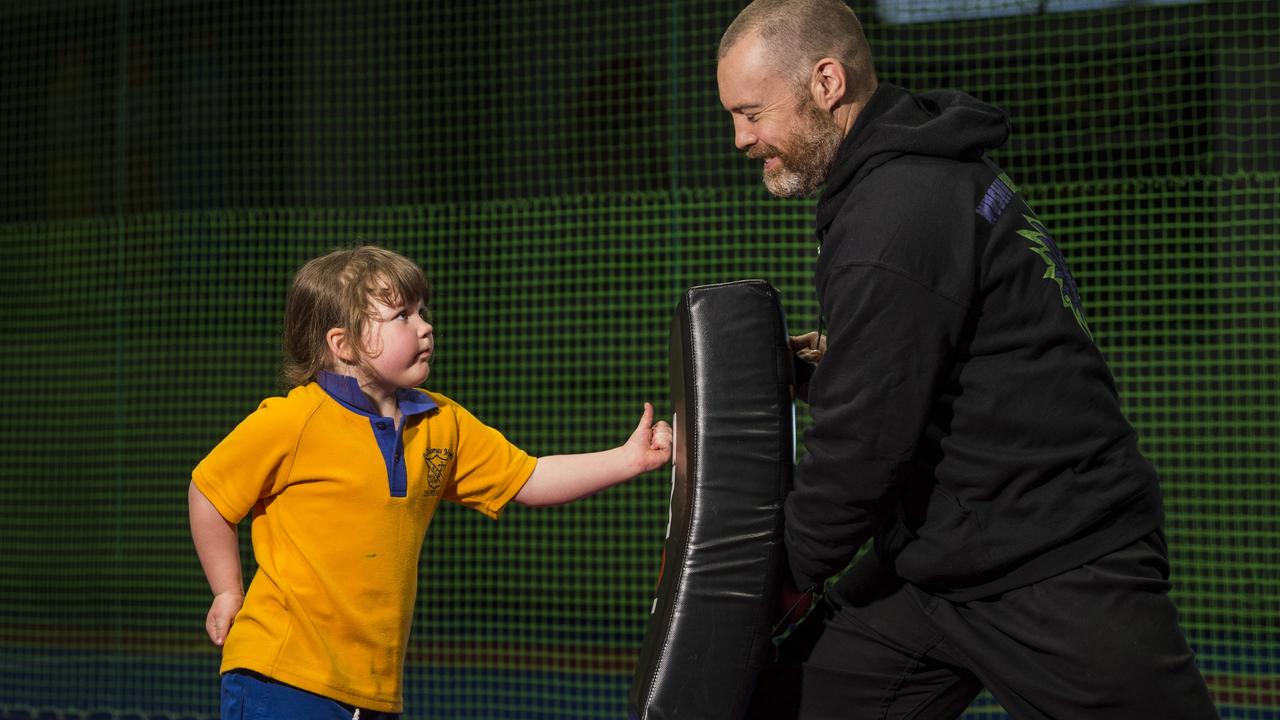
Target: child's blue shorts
x=250 y=696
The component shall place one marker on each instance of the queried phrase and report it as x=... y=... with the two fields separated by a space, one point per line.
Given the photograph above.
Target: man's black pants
x=1101 y=641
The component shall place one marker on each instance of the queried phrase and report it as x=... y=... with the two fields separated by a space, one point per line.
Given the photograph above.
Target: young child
x=342 y=478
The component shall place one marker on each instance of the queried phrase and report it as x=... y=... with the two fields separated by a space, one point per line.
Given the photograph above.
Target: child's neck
x=385 y=402
x=383 y=399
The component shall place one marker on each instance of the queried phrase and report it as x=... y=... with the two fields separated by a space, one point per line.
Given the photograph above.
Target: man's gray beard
x=807 y=160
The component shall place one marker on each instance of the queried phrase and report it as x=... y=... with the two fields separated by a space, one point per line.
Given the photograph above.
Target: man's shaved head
x=798 y=33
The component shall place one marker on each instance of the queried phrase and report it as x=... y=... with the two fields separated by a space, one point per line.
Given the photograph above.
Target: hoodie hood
x=943 y=123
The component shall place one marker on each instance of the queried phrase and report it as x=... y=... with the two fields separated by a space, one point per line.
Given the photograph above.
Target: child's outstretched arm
x=558 y=479
x=218 y=546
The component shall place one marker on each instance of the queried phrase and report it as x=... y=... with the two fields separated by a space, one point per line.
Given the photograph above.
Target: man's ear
x=827 y=83
x=339 y=345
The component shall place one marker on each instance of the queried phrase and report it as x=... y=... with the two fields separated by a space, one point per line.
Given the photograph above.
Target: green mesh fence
x=563 y=171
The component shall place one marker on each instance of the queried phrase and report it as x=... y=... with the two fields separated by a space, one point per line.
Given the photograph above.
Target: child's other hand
x=222 y=612
x=650 y=444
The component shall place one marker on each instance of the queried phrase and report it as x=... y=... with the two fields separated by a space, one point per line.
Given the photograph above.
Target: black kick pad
x=709 y=629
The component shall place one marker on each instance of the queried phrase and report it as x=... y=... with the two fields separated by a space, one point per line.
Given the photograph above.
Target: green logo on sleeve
x=1055 y=268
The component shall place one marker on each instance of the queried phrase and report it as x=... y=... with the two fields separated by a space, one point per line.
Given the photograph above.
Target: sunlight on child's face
x=400 y=341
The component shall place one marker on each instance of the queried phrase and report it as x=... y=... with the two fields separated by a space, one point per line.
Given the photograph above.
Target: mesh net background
x=562 y=170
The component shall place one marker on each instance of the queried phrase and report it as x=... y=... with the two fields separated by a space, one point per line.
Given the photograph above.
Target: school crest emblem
x=437 y=460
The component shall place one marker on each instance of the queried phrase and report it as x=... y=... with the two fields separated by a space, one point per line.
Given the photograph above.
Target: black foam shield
x=709 y=630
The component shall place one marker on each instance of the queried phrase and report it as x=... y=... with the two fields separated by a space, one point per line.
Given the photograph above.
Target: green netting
x=563 y=171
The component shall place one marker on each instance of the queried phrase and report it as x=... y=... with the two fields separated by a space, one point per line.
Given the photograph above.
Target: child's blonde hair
x=337 y=291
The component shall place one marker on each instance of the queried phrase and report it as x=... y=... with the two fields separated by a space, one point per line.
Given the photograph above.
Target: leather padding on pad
x=709 y=631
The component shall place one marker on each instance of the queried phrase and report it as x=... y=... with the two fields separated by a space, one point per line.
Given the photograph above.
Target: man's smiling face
x=776 y=120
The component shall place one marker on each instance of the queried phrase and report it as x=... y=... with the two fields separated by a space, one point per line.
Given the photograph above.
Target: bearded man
x=962 y=416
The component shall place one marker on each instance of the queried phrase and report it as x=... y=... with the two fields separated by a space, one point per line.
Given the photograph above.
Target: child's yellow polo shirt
x=336 y=541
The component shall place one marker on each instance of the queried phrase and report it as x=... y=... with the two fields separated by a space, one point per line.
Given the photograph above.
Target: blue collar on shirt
x=346 y=391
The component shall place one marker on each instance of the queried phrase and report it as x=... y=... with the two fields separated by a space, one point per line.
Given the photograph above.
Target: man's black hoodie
x=962 y=413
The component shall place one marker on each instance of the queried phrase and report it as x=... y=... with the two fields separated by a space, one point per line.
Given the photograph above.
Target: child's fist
x=650 y=444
